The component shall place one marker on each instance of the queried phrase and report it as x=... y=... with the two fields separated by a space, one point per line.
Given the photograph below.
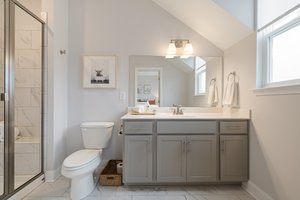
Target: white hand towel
x=213 y=97
x=211 y=94
x=216 y=99
x=230 y=97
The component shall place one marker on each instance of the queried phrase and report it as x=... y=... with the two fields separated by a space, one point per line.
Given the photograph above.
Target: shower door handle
x=4 y=97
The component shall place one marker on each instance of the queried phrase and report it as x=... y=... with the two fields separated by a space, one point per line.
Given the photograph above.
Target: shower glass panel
x=27 y=97
x=1 y=91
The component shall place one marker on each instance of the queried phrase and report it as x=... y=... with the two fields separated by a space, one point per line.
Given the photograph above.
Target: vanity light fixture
x=180 y=48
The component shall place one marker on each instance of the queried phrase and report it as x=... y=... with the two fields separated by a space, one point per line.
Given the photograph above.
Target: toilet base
x=82 y=186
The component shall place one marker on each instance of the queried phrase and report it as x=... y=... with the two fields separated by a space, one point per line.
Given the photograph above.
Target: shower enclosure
x=21 y=105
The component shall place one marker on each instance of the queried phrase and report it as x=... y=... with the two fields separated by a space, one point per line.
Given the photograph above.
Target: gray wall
x=121 y=28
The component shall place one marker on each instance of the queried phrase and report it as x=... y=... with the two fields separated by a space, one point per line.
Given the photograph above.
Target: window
x=285 y=54
x=200 y=76
x=279 y=52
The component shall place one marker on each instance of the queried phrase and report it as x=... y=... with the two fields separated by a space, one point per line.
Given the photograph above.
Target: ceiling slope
x=208 y=19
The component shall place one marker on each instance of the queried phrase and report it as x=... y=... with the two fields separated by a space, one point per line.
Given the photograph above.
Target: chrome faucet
x=178 y=110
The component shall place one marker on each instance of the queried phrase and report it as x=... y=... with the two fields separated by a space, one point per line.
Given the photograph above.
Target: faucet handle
x=181 y=111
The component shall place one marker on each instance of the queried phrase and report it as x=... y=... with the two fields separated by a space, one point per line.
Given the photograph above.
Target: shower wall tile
x=28 y=78
x=30 y=131
x=1 y=113
x=36 y=40
x=36 y=27
x=23 y=39
x=2 y=78
x=1 y=58
x=28 y=116
x=35 y=97
x=23 y=148
x=1 y=37
x=29 y=59
x=22 y=96
x=27 y=163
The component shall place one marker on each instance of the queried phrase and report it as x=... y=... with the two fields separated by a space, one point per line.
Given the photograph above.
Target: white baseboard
x=27 y=189
x=52 y=175
x=255 y=191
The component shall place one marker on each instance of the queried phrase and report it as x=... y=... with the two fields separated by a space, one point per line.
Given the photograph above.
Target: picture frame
x=140 y=89
x=99 y=71
x=147 y=89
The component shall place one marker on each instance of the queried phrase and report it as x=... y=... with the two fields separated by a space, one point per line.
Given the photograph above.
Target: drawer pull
x=188 y=146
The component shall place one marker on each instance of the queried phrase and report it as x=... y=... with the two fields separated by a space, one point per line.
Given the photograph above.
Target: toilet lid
x=81 y=158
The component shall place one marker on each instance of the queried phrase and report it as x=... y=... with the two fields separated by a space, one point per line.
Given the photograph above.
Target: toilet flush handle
x=84 y=129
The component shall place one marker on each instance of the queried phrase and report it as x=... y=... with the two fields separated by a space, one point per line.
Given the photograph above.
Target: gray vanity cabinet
x=138 y=162
x=201 y=158
x=186 y=151
x=183 y=158
x=171 y=158
x=233 y=151
x=138 y=152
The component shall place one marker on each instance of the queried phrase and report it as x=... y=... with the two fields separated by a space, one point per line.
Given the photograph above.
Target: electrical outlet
x=122 y=95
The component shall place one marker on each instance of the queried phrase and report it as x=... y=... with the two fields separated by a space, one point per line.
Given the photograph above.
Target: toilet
x=80 y=165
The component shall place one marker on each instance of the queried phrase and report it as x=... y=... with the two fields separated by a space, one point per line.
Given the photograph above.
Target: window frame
x=198 y=72
x=264 y=86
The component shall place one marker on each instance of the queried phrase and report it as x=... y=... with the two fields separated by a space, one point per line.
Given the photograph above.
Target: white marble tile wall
x=28 y=79
x=27 y=158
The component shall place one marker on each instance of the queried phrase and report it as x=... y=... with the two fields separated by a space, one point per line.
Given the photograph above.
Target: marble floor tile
x=60 y=190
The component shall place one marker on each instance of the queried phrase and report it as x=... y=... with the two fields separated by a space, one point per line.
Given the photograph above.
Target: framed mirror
x=164 y=82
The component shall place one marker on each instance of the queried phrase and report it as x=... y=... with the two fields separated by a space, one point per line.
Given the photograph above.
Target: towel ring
x=231 y=73
x=213 y=80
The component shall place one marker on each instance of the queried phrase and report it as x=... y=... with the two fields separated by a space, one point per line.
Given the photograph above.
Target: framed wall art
x=99 y=71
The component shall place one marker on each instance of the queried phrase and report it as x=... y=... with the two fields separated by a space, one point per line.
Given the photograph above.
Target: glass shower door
x=2 y=58
x=27 y=96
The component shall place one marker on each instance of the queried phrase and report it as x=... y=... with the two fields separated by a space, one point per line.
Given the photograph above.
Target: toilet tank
x=96 y=135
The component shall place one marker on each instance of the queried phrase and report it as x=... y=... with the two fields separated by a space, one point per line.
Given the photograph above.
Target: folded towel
x=230 y=97
x=213 y=97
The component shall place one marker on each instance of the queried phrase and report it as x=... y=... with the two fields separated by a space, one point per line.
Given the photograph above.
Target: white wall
x=121 y=28
x=268 y=10
x=56 y=114
x=274 y=129
x=242 y=10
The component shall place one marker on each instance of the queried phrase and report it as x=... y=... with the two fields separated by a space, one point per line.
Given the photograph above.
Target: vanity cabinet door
x=201 y=158
x=138 y=159
x=171 y=158
x=234 y=157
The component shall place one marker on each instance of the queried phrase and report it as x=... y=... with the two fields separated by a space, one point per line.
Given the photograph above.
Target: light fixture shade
x=171 y=49
x=188 y=49
x=179 y=48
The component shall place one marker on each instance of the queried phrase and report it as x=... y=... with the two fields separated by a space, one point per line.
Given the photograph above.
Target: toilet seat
x=81 y=158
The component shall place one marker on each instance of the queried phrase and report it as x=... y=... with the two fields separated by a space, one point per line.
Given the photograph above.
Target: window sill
x=277 y=90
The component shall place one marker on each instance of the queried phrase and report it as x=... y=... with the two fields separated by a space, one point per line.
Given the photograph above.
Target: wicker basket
x=109 y=176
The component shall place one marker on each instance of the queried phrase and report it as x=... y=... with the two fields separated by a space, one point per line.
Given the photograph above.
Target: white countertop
x=192 y=114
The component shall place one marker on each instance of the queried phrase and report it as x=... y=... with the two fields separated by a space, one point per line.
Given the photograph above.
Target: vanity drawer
x=180 y=127
x=234 y=127
x=138 y=127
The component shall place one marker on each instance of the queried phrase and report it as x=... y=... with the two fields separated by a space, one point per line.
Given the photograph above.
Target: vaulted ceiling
x=209 y=19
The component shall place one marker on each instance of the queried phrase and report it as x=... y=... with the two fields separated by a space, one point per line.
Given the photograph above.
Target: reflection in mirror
x=191 y=82
x=148 y=83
